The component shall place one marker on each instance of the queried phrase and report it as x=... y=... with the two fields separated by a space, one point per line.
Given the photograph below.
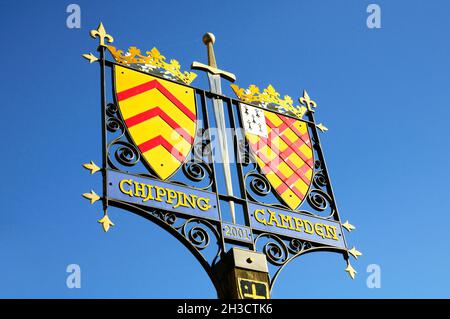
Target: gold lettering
x=331 y=232
x=190 y=200
x=310 y=229
x=178 y=198
x=171 y=194
x=149 y=193
x=298 y=224
x=273 y=218
x=159 y=193
x=256 y=213
x=139 y=189
x=319 y=229
x=286 y=219
x=203 y=203
x=181 y=200
x=127 y=192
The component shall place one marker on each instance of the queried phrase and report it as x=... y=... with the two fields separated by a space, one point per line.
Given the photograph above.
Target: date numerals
x=237 y=232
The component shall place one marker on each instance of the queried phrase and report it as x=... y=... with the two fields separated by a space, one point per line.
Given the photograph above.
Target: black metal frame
x=196 y=234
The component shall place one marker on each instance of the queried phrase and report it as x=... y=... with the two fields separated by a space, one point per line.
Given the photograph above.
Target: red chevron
x=154 y=112
x=160 y=140
x=154 y=84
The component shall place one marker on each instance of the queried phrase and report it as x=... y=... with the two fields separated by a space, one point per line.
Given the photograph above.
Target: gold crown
x=154 y=62
x=269 y=98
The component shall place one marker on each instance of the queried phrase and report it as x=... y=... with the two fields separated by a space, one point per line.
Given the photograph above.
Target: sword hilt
x=208 y=40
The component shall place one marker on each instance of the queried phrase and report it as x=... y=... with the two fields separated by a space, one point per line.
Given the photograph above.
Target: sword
x=214 y=77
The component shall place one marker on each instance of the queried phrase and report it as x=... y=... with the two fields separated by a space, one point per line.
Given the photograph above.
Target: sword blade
x=215 y=87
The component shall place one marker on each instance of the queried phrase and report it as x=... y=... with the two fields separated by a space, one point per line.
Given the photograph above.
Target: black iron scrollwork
x=113 y=123
x=198 y=232
x=318 y=199
x=259 y=184
x=195 y=171
x=126 y=153
x=197 y=235
x=296 y=245
x=320 y=180
x=318 y=196
x=274 y=248
x=198 y=171
x=278 y=250
x=166 y=217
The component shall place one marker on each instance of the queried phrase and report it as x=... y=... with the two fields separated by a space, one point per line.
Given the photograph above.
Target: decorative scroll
x=122 y=154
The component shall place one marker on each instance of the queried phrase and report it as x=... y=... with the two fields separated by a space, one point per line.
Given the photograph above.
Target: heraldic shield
x=160 y=117
x=282 y=148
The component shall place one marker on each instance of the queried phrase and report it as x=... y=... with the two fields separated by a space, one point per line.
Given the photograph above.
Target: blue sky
x=383 y=94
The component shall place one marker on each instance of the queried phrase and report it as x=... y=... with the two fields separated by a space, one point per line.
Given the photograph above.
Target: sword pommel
x=209 y=37
x=208 y=40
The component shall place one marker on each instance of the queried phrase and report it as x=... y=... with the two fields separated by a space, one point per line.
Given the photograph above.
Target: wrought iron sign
x=216 y=172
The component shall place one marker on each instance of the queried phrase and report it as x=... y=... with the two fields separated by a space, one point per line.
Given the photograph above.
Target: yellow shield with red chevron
x=282 y=147
x=160 y=117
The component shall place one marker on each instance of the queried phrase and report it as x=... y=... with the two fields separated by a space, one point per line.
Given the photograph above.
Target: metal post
x=243 y=274
x=101 y=50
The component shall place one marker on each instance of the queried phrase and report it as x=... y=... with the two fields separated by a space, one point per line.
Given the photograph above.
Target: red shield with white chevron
x=160 y=117
x=282 y=147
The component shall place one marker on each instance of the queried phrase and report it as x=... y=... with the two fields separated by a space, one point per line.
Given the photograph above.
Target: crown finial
x=268 y=96
x=153 y=62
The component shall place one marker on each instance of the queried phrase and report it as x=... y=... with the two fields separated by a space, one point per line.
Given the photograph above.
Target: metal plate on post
x=250 y=260
x=253 y=289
